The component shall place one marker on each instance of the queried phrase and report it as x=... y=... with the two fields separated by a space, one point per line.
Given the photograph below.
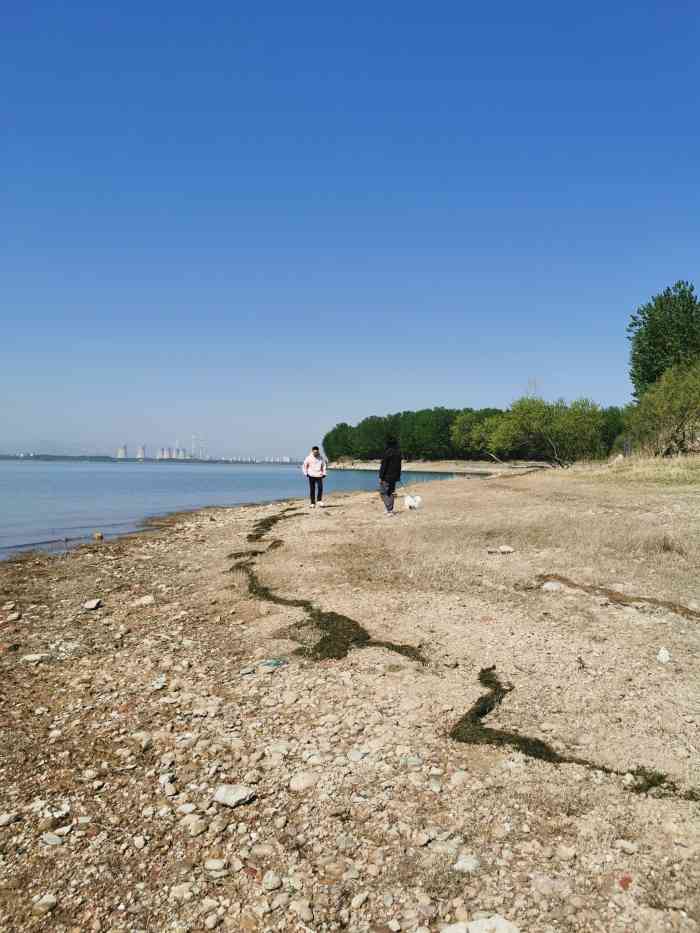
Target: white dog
x=413 y=502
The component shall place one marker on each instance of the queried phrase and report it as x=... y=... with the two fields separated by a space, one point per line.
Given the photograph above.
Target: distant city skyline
x=123 y=452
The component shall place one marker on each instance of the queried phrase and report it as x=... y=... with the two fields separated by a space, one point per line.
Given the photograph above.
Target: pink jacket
x=314 y=466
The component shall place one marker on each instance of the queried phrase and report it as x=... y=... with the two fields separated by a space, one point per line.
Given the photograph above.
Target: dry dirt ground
x=478 y=467
x=440 y=734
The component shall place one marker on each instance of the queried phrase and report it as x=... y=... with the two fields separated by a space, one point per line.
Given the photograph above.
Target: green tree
x=338 y=442
x=431 y=433
x=369 y=438
x=467 y=440
x=578 y=430
x=496 y=435
x=534 y=429
x=663 y=332
x=614 y=425
x=667 y=419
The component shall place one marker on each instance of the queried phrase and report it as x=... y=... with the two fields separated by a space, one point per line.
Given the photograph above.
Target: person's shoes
x=320 y=505
x=390 y=514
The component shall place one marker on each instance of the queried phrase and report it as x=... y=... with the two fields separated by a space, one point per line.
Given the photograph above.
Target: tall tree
x=663 y=332
x=667 y=419
x=338 y=442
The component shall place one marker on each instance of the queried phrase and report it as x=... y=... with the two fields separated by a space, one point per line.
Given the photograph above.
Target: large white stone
x=495 y=924
x=303 y=780
x=233 y=795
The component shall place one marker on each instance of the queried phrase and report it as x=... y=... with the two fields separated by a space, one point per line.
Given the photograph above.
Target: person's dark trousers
x=386 y=490
x=316 y=488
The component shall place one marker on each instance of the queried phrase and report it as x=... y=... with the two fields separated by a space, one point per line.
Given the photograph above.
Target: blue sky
x=253 y=221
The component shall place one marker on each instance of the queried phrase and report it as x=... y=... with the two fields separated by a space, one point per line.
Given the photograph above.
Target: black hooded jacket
x=390 y=470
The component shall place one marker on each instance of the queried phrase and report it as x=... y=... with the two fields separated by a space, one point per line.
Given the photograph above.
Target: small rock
x=263 y=850
x=8 y=607
x=212 y=921
x=143 y=740
x=664 y=656
x=233 y=795
x=143 y=601
x=14 y=617
x=181 y=892
x=215 y=864
x=51 y=839
x=494 y=924
x=45 y=904
x=35 y=658
x=303 y=780
x=358 y=900
x=303 y=910
x=552 y=586
x=505 y=549
x=92 y=604
x=139 y=842
x=271 y=881
x=194 y=824
x=467 y=864
x=624 y=845
x=7 y=818
x=459 y=778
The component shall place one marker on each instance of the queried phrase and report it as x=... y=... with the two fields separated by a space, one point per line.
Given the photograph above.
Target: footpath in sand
x=282 y=719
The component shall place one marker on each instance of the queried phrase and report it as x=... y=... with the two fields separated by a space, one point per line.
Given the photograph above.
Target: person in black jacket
x=390 y=474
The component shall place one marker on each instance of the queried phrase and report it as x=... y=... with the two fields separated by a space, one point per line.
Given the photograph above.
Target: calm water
x=44 y=503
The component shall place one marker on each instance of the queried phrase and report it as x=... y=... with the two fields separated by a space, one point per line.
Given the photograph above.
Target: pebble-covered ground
x=202 y=731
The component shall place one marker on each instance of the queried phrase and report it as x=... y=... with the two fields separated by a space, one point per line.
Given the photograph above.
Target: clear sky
x=251 y=221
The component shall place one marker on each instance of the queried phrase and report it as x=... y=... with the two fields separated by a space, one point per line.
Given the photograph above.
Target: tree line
x=663 y=418
x=531 y=429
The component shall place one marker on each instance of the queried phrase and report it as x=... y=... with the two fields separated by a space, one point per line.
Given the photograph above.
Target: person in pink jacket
x=314 y=468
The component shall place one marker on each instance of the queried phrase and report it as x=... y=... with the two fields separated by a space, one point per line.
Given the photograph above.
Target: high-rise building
x=141 y=455
x=122 y=453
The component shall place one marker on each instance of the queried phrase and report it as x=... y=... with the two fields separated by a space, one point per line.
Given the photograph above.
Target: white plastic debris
x=664 y=656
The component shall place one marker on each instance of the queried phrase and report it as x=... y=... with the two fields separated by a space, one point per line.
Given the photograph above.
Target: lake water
x=43 y=503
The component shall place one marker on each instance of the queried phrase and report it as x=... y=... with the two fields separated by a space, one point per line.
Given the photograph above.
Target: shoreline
x=335 y=671
x=479 y=468
x=60 y=546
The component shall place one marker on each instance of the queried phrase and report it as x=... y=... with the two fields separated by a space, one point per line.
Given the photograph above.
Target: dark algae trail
x=471 y=730
x=339 y=633
x=621 y=599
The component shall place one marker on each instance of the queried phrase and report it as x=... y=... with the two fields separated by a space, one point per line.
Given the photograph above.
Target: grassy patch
x=666 y=471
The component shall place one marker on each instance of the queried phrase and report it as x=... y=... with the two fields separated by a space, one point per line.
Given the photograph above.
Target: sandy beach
x=282 y=719
x=464 y=467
